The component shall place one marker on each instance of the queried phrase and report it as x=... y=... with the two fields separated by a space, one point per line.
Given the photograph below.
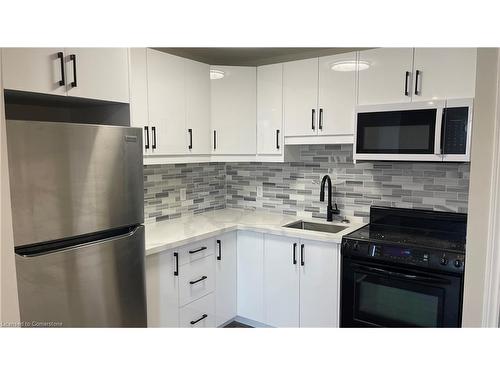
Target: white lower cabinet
x=225 y=278
x=319 y=284
x=281 y=281
x=250 y=275
x=199 y=314
x=196 y=280
x=162 y=290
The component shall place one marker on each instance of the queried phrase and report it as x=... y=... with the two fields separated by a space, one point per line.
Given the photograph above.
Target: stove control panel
x=403 y=254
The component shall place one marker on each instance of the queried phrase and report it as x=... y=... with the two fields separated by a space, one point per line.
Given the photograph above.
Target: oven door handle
x=406 y=276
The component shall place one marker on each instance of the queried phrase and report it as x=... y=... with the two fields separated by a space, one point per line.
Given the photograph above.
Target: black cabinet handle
x=176 y=271
x=320 y=119
x=417 y=75
x=302 y=260
x=215 y=139
x=313 y=111
x=407 y=77
x=153 y=132
x=146 y=131
x=73 y=58
x=219 y=244
x=197 y=250
x=190 y=131
x=197 y=281
x=193 y=322
x=294 y=256
x=60 y=56
x=278 y=139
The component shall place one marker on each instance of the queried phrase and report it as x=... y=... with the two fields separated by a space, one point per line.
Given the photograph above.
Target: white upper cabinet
x=319 y=284
x=444 y=73
x=337 y=94
x=40 y=70
x=198 y=107
x=281 y=281
x=93 y=73
x=233 y=111
x=98 y=73
x=270 y=109
x=300 y=97
x=385 y=75
x=166 y=98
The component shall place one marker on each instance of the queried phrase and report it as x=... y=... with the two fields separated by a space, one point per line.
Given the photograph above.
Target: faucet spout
x=329 y=208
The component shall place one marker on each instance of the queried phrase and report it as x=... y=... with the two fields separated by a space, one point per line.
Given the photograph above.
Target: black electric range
x=404 y=269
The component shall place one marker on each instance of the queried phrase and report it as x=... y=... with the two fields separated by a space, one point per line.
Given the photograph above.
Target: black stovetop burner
x=430 y=229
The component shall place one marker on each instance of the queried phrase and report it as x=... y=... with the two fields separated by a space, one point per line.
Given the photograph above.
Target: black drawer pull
x=302 y=261
x=193 y=322
x=146 y=130
x=277 y=139
x=197 y=250
x=60 y=56
x=417 y=75
x=215 y=139
x=153 y=131
x=320 y=119
x=313 y=112
x=294 y=253
x=219 y=244
x=73 y=58
x=176 y=271
x=190 y=131
x=407 y=76
x=197 y=281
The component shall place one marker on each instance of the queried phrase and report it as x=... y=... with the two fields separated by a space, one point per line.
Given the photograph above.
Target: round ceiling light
x=349 y=65
x=216 y=74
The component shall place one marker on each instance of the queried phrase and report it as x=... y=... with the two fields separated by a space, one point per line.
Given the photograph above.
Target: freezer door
x=97 y=284
x=72 y=179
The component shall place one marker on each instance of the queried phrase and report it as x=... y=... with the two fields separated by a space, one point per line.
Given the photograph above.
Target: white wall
x=9 y=312
x=480 y=188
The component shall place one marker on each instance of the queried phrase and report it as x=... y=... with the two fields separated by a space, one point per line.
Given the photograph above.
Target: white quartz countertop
x=169 y=234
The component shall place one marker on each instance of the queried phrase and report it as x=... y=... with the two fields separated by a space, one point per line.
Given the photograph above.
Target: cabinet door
x=138 y=73
x=101 y=73
x=162 y=290
x=250 y=275
x=270 y=109
x=166 y=99
x=225 y=278
x=34 y=69
x=319 y=284
x=444 y=73
x=281 y=281
x=233 y=110
x=387 y=78
x=300 y=97
x=337 y=95
x=197 y=107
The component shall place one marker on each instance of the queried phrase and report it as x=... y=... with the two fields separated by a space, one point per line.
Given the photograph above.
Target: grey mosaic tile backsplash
x=293 y=187
x=205 y=185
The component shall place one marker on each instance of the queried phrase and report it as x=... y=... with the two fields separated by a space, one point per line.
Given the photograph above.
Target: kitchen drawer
x=196 y=279
x=199 y=314
x=195 y=251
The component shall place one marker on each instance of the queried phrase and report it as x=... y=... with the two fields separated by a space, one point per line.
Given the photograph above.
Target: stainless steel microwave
x=438 y=130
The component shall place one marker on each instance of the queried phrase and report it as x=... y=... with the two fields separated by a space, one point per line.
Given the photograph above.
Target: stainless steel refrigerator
x=77 y=205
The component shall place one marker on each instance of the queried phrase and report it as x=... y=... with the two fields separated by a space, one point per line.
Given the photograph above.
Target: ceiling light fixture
x=349 y=65
x=216 y=74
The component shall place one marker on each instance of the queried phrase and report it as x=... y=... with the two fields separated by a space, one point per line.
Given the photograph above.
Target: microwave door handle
x=406 y=276
x=438 y=136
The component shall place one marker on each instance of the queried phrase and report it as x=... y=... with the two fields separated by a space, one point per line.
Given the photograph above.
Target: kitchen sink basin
x=318 y=227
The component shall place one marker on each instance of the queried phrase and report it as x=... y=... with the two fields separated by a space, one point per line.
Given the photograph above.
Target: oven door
x=378 y=295
x=399 y=132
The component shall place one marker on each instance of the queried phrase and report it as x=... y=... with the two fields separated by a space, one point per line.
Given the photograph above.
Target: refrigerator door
x=73 y=179
x=95 y=284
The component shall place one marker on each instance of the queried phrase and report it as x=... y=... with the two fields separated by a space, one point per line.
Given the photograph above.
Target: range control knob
x=355 y=246
x=443 y=261
x=457 y=263
x=347 y=245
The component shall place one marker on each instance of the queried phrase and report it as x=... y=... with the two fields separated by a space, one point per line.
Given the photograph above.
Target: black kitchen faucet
x=329 y=209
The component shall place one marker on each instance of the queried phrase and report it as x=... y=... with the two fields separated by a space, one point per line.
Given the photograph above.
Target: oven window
x=398 y=304
x=402 y=132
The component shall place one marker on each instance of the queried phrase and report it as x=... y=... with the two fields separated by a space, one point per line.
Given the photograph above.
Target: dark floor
x=235 y=324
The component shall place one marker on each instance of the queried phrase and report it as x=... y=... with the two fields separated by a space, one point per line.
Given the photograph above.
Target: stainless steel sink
x=318 y=227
